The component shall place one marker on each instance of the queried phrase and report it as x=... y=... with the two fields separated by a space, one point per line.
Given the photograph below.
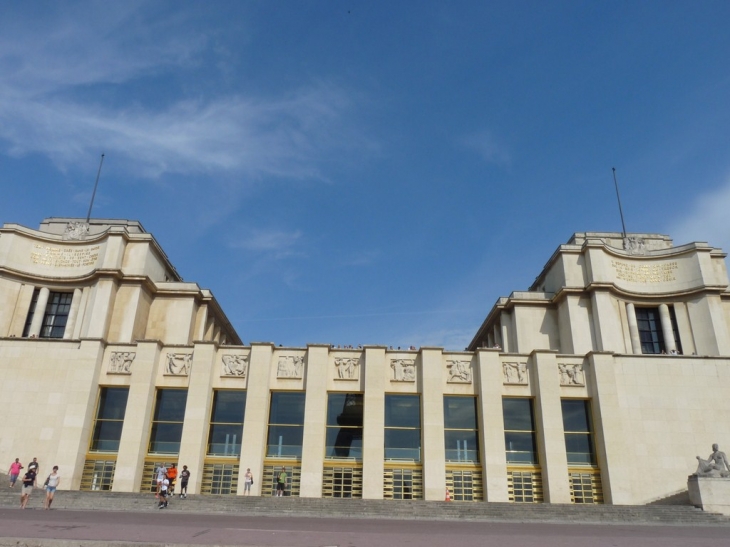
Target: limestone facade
x=633 y=330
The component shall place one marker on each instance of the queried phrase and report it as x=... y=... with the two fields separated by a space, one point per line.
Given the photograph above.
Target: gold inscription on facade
x=66 y=257
x=645 y=273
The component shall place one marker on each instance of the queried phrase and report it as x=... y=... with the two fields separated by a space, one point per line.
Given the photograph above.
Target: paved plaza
x=61 y=528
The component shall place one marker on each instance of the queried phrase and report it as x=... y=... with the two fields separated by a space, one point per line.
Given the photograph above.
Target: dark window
x=167 y=423
x=286 y=424
x=226 y=423
x=56 y=316
x=109 y=419
x=650 y=330
x=344 y=425
x=578 y=432
x=519 y=431
x=403 y=427
x=461 y=435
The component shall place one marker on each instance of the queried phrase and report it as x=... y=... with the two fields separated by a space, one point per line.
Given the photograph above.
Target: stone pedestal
x=710 y=493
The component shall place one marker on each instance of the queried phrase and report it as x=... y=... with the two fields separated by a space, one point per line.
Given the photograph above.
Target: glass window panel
x=165 y=438
x=170 y=405
x=402 y=411
x=225 y=439
x=461 y=445
x=344 y=409
x=575 y=415
x=518 y=414
x=344 y=442
x=229 y=406
x=579 y=448
x=520 y=447
x=106 y=436
x=460 y=412
x=285 y=440
x=403 y=443
x=112 y=403
x=287 y=408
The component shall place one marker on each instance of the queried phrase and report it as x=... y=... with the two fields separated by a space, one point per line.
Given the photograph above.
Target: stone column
x=549 y=425
x=633 y=329
x=373 y=443
x=137 y=418
x=193 y=446
x=315 y=420
x=39 y=312
x=81 y=313
x=505 y=338
x=488 y=386
x=73 y=313
x=612 y=448
x=431 y=378
x=22 y=309
x=667 y=330
x=256 y=421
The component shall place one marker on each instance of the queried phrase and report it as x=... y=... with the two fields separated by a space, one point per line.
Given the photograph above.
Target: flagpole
x=96 y=184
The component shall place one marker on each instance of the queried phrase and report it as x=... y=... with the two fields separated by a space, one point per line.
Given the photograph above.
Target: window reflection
x=109 y=419
x=519 y=431
x=226 y=423
x=578 y=431
x=344 y=425
x=167 y=423
x=403 y=427
x=286 y=425
x=461 y=435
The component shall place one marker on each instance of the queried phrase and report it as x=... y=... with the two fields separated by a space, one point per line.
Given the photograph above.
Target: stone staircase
x=375 y=509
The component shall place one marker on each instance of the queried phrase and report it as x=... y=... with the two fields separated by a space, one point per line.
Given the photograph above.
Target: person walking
x=172 y=477
x=247 y=482
x=28 y=484
x=184 y=477
x=161 y=475
x=34 y=466
x=51 y=484
x=14 y=471
x=163 y=493
x=281 y=482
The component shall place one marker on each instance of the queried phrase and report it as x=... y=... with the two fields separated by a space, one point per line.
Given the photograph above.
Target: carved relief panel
x=290 y=366
x=459 y=371
x=571 y=375
x=235 y=365
x=515 y=373
x=121 y=362
x=404 y=370
x=347 y=368
x=179 y=364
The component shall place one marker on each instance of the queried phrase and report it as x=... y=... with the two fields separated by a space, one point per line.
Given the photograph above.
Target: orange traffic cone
x=448 y=494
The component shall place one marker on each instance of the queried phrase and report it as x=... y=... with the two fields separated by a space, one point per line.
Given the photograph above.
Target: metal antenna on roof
x=93 y=195
x=615 y=183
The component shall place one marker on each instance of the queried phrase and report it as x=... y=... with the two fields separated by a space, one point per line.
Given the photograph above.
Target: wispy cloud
x=55 y=74
x=487 y=147
x=706 y=220
x=274 y=243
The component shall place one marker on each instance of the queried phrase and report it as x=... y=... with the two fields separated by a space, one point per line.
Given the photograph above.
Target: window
x=403 y=427
x=56 y=316
x=344 y=426
x=651 y=334
x=578 y=432
x=650 y=330
x=167 y=422
x=519 y=431
x=109 y=420
x=461 y=434
x=286 y=425
x=226 y=423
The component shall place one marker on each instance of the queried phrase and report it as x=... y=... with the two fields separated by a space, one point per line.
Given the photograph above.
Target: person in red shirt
x=171 y=476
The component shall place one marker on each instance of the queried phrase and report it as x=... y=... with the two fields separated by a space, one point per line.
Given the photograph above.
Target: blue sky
x=354 y=172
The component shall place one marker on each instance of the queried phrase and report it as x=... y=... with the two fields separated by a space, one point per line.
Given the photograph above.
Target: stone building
x=598 y=384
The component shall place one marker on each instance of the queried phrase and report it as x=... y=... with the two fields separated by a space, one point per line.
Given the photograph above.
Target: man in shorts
x=161 y=475
x=14 y=471
x=281 y=483
x=172 y=476
x=28 y=484
x=34 y=466
x=184 y=477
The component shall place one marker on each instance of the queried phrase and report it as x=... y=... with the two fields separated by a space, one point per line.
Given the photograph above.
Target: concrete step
x=393 y=509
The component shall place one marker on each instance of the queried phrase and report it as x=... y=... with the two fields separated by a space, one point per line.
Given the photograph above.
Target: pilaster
x=373 y=443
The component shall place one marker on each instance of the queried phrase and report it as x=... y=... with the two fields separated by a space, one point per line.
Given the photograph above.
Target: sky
x=351 y=172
